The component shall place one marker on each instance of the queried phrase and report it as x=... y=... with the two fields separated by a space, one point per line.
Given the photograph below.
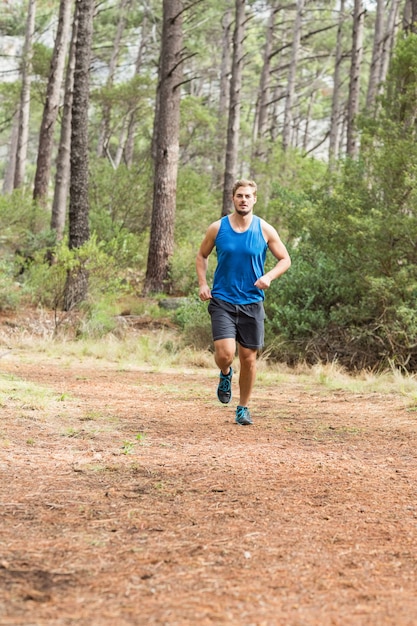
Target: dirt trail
x=131 y=498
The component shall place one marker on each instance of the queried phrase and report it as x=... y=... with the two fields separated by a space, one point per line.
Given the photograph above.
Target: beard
x=243 y=211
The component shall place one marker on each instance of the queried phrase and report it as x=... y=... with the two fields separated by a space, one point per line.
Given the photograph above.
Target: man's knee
x=225 y=350
x=247 y=356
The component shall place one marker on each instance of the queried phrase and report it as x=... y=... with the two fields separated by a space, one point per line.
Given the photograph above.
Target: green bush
x=10 y=294
x=194 y=321
x=23 y=226
x=45 y=280
x=308 y=297
x=99 y=320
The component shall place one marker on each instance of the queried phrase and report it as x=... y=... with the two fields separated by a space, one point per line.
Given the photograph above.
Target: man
x=236 y=298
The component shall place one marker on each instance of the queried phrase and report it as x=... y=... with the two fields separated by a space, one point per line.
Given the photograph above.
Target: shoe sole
x=244 y=422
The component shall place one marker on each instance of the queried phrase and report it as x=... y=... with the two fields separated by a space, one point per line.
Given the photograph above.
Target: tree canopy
x=315 y=100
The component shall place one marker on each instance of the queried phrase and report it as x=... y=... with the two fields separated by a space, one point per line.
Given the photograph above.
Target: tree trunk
x=161 y=245
x=335 y=114
x=410 y=17
x=104 y=134
x=306 y=134
x=24 y=109
x=354 y=83
x=388 y=43
x=289 y=99
x=132 y=118
x=231 y=164
x=122 y=141
x=263 y=103
x=79 y=232
x=8 y=182
x=62 y=176
x=375 y=70
x=50 y=111
x=225 y=64
x=224 y=95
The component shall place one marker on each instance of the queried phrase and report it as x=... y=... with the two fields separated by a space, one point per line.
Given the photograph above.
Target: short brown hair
x=243 y=182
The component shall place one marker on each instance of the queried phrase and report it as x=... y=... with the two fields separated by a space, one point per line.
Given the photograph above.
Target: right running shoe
x=224 y=389
x=243 y=416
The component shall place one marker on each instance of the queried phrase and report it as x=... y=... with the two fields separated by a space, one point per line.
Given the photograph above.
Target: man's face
x=244 y=200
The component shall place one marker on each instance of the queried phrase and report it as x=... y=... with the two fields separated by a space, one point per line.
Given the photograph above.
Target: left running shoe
x=243 y=416
x=224 y=389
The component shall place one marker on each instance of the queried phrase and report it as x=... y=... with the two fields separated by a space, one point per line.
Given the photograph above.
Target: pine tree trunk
x=132 y=119
x=167 y=123
x=8 y=181
x=354 y=83
x=410 y=17
x=231 y=164
x=224 y=95
x=50 y=111
x=388 y=43
x=62 y=175
x=264 y=97
x=335 y=115
x=24 y=108
x=375 y=70
x=225 y=64
x=290 y=96
x=104 y=135
x=79 y=232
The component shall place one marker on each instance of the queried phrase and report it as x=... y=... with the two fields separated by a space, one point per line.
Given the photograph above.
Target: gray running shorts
x=242 y=322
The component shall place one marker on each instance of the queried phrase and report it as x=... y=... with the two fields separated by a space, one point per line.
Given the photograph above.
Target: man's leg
x=247 y=358
x=224 y=353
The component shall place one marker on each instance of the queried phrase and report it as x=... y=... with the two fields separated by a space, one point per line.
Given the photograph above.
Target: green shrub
x=10 y=294
x=308 y=297
x=23 y=225
x=100 y=319
x=194 y=321
x=45 y=281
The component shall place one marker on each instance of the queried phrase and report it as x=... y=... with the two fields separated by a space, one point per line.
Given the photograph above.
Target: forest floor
x=130 y=497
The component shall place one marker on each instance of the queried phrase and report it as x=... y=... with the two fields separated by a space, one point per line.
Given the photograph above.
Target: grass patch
x=25 y=395
x=162 y=349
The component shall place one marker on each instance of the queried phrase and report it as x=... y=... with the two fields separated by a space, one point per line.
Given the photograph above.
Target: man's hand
x=263 y=282
x=205 y=293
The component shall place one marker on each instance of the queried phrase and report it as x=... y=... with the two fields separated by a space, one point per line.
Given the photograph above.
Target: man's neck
x=241 y=222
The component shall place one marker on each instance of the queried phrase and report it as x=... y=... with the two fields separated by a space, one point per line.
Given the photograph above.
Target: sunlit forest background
x=124 y=123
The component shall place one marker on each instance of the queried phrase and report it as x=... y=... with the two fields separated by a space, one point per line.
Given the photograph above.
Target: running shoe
x=224 y=389
x=243 y=416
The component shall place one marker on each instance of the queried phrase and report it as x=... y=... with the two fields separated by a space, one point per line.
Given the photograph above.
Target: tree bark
x=132 y=118
x=104 y=134
x=388 y=43
x=410 y=17
x=290 y=95
x=8 y=182
x=354 y=82
x=62 y=175
x=224 y=93
x=79 y=232
x=225 y=64
x=264 y=97
x=375 y=70
x=24 y=108
x=50 y=111
x=161 y=245
x=335 y=114
x=233 y=126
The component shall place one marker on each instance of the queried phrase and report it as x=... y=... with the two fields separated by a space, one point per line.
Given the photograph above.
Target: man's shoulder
x=213 y=229
x=216 y=225
x=268 y=230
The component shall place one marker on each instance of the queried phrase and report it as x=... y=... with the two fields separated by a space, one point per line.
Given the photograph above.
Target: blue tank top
x=240 y=262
